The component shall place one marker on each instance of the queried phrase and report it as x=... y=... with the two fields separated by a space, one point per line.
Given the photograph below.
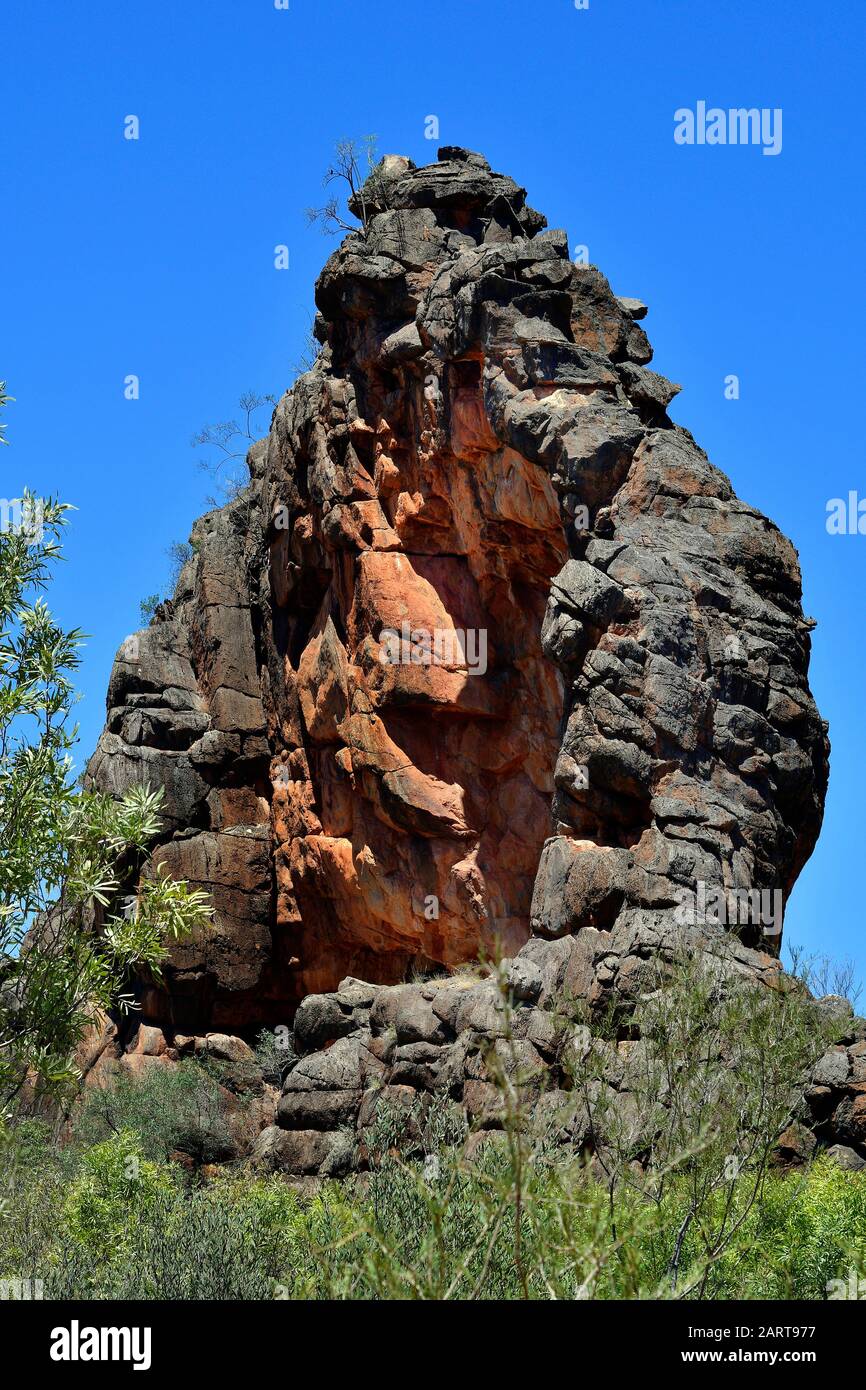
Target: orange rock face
x=410 y=813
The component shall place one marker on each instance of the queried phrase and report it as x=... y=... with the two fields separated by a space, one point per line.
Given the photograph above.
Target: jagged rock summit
x=488 y=653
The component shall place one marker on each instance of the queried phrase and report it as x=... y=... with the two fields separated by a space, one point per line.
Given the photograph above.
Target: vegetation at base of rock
x=170 y=1110
x=68 y=947
x=664 y=1196
x=696 y=1104
x=108 y=1223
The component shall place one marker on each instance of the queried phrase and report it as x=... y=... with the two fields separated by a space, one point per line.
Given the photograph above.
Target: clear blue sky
x=155 y=257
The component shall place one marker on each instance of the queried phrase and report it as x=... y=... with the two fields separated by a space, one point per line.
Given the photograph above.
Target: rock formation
x=487 y=654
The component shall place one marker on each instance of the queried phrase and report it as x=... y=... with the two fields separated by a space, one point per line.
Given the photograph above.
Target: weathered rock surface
x=480 y=449
x=441 y=1042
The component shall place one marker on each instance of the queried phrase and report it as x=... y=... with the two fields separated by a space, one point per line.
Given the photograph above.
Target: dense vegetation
x=144 y=1200
x=117 y=1219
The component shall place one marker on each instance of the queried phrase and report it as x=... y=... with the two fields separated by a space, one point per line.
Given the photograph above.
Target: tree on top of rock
x=353 y=165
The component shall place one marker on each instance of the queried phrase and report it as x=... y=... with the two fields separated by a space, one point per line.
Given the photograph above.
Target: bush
x=114 y=1192
x=178 y=1107
x=274 y=1054
x=107 y=1223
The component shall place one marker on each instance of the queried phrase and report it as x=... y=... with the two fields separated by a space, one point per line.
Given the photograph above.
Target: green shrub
x=114 y=1192
x=170 y=1108
x=274 y=1054
x=107 y=1223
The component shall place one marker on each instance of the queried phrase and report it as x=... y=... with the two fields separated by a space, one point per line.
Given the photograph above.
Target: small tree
x=66 y=952
x=310 y=349
x=689 y=1115
x=148 y=607
x=823 y=975
x=231 y=440
x=353 y=165
x=179 y=553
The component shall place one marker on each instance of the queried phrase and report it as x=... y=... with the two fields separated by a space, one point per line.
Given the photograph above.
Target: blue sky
x=156 y=258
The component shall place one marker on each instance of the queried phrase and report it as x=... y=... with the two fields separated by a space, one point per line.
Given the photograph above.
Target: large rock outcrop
x=487 y=653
